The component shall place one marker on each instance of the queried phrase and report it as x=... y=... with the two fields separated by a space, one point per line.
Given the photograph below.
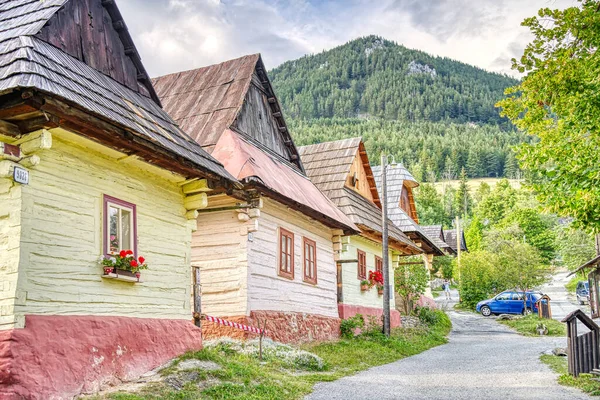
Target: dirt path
x=483 y=360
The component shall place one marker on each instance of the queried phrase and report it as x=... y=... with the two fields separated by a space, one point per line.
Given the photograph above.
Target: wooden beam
x=282 y=128
x=272 y=100
x=196 y=201
x=39 y=122
x=277 y=114
x=36 y=141
x=200 y=185
x=9 y=129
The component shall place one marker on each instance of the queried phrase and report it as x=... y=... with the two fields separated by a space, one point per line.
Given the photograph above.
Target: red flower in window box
x=124 y=261
x=376 y=278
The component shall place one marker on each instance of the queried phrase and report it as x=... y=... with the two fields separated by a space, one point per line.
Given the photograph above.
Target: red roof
x=250 y=164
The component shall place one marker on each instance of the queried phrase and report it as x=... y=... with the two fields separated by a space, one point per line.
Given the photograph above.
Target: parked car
x=583 y=292
x=509 y=302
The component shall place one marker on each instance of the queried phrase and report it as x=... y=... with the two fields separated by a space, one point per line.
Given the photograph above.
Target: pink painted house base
x=425 y=301
x=348 y=311
x=63 y=356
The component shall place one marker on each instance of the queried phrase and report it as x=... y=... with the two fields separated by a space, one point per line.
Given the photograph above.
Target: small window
x=362 y=265
x=379 y=264
x=120 y=226
x=310 y=261
x=286 y=253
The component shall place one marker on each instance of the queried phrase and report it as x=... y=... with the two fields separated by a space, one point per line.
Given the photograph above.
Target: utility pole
x=385 y=255
x=458 y=245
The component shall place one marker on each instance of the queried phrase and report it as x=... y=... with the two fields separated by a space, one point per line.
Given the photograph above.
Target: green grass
x=244 y=377
x=527 y=325
x=584 y=382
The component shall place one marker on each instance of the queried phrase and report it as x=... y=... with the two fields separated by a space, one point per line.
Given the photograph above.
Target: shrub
x=350 y=325
x=427 y=315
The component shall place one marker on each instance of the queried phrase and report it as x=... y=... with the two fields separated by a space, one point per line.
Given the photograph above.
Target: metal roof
x=28 y=62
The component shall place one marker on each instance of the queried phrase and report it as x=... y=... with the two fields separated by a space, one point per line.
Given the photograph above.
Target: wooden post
x=458 y=246
x=260 y=340
x=197 y=297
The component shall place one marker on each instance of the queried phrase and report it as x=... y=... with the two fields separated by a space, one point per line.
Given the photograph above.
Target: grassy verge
x=571 y=286
x=242 y=376
x=584 y=382
x=528 y=325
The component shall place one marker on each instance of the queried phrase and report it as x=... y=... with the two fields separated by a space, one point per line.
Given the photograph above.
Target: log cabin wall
x=219 y=248
x=62 y=226
x=10 y=238
x=357 y=179
x=269 y=291
x=85 y=30
x=256 y=120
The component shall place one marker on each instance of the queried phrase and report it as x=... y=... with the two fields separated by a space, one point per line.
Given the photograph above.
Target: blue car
x=509 y=302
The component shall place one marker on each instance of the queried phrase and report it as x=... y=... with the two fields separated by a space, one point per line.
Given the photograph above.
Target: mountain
x=435 y=114
x=375 y=77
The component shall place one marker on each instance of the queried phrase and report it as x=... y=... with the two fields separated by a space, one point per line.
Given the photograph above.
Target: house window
x=286 y=253
x=379 y=264
x=310 y=261
x=362 y=265
x=120 y=226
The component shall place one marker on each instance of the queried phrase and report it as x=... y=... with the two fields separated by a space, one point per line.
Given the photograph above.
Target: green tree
x=575 y=246
x=429 y=205
x=410 y=281
x=557 y=103
x=462 y=198
x=474 y=234
x=537 y=231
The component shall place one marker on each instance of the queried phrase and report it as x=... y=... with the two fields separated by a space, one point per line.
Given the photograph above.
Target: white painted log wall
x=351 y=284
x=219 y=249
x=266 y=289
x=10 y=236
x=62 y=231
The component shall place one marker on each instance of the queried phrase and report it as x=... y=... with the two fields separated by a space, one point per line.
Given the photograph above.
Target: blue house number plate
x=21 y=175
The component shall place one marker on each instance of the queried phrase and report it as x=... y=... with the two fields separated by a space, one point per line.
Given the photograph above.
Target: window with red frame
x=379 y=264
x=286 y=253
x=362 y=264
x=119 y=226
x=310 y=261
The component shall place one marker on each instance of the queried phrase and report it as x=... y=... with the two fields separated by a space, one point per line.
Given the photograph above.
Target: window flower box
x=364 y=285
x=123 y=266
x=380 y=290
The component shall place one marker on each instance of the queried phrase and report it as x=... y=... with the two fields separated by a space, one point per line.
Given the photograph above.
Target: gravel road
x=483 y=360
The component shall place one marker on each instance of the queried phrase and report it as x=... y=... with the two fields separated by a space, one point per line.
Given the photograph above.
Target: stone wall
x=285 y=327
x=348 y=310
x=64 y=356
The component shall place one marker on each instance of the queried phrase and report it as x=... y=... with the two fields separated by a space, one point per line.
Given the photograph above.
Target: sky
x=177 y=35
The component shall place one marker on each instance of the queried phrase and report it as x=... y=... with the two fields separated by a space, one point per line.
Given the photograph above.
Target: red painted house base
x=285 y=327
x=347 y=311
x=60 y=357
x=425 y=301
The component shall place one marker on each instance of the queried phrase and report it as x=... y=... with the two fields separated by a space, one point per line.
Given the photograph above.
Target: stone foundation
x=59 y=357
x=285 y=327
x=348 y=310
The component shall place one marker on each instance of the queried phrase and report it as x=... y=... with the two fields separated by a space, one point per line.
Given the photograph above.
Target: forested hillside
x=374 y=77
x=435 y=114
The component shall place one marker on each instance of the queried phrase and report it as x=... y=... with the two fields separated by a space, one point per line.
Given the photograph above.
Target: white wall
x=266 y=289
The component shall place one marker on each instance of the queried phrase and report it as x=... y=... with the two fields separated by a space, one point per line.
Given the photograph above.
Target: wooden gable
x=407 y=202
x=93 y=31
x=360 y=177
x=261 y=119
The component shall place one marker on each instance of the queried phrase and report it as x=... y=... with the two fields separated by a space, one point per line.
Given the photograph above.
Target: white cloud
x=174 y=35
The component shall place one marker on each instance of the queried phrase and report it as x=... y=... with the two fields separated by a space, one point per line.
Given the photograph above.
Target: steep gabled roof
x=328 y=164
x=397 y=177
x=206 y=101
x=436 y=233
x=28 y=63
x=450 y=237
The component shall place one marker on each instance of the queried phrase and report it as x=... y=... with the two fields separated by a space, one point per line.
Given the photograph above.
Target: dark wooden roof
x=593 y=263
x=29 y=63
x=328 y=165
x=206 y=101
x=436 y=234
x=450 y=237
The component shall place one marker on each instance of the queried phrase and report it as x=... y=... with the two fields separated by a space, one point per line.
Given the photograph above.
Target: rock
x=178 y=381
x=187 y=365
x=560 y=351
x=505 y=317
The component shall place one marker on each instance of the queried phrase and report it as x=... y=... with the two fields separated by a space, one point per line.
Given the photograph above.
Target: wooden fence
x=583 y=350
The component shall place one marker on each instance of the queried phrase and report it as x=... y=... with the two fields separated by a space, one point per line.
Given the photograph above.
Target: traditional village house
x=267 y=257
x=89 y=165
x=341 y=170
x=403 y=213
x=436 y=233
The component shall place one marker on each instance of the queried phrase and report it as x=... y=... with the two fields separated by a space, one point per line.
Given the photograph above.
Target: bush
x=427 y=315
x=349 y=326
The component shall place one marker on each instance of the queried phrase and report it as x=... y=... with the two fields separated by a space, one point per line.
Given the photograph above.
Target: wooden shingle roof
x=28 y=63
x=450 y=238
x=436 y=233
x=328 y=165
